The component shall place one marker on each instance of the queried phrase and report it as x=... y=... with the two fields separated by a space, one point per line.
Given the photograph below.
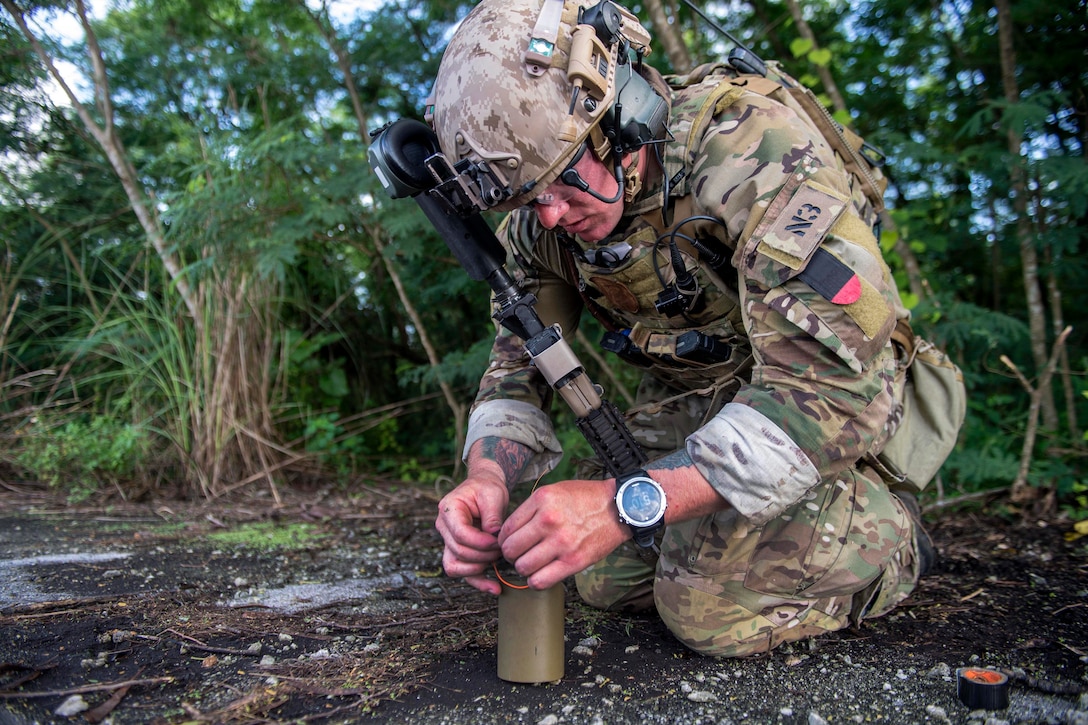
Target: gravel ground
x=357 y=625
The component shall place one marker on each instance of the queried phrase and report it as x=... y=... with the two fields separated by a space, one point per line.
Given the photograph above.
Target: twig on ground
x=83 y=689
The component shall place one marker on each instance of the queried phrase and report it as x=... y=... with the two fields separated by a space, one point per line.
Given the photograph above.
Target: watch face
x=641 y=502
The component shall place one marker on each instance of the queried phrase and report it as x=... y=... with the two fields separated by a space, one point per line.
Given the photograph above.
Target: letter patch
x=801 y=225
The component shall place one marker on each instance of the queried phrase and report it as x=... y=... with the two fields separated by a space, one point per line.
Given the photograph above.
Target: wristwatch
x=641 y=503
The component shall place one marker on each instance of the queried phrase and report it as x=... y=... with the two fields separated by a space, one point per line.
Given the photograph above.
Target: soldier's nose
x=550 y=214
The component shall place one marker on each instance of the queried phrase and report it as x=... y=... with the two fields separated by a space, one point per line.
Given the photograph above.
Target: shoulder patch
x=802 y=224
x=796 y=222
x=832 y=279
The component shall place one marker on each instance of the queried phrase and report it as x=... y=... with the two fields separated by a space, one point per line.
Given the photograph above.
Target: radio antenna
x=741 y=57
x=712 y=23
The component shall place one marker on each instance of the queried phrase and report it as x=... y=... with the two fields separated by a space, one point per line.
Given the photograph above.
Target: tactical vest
x=705 y=344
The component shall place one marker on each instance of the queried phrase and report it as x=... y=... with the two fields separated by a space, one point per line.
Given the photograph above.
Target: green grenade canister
x=530 y=647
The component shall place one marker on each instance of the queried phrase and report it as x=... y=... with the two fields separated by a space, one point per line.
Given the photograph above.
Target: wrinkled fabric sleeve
x=821 y=386
x=513 y=399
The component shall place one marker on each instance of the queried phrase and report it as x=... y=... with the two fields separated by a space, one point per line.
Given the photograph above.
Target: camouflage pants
x=725 y=588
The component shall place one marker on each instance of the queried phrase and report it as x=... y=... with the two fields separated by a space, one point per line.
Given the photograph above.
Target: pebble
x=702 y=696
x=548 y=720
x=937 y=713
x=72 y=707
x=941 y=670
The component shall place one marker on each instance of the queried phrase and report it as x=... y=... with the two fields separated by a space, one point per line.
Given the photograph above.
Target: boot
x=923 y=544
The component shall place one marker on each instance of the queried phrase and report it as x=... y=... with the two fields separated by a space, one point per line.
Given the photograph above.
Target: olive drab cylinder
x=530 y=639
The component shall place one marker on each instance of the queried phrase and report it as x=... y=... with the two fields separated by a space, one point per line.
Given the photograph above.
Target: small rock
x=941 y=670
x=548 y=720
x=937 y=713
x=285 y=637
x=591 y=642
x=268 y=660
x=582 y=651
x=254 y=648
x=786 y=712
x=630 y=650
x=72 y=707
x=702 y=696
x=814 y=718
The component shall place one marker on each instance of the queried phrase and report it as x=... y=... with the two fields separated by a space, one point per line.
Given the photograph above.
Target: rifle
x=406 y=157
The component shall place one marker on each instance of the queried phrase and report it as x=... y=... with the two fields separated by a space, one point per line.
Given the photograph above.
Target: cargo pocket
x=834 y=542
x=798 y=548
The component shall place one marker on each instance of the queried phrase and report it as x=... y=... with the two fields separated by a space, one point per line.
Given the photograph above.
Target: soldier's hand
x=561 y=529
x=469 y=519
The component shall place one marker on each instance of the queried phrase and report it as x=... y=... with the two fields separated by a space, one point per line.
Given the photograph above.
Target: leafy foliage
x=250 y=150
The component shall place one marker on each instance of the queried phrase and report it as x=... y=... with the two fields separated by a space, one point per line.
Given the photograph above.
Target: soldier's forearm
x=508 y=456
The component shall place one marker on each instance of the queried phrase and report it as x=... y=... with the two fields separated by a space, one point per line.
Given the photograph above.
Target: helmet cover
x=494 y=104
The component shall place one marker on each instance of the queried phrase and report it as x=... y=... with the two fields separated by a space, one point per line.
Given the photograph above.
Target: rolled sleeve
x=751 y=462
x=522 y=423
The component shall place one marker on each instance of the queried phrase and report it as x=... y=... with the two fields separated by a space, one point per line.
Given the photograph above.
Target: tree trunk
x=343 y=61
x=112 y=146
x=668 y=35
x=824 y=73
x=1029 y=257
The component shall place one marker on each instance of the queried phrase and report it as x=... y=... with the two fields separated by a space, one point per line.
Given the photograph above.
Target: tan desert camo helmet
x=505 y=90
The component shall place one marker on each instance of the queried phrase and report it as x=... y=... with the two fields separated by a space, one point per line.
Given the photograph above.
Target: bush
x=83 y=456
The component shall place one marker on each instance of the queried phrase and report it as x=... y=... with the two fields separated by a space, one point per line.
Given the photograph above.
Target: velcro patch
x=802 y=225
x=832 y=279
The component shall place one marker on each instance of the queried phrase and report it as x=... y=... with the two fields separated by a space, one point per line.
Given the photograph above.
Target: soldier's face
x=578 y=212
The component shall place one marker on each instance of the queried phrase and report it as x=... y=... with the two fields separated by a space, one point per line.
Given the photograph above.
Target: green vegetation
x=201 y=283
x=267 y=535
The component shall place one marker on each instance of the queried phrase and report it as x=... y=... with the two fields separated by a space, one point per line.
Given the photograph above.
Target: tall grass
x=205 y=390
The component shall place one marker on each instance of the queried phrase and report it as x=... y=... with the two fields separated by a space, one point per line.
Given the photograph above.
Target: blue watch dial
x=641 y=502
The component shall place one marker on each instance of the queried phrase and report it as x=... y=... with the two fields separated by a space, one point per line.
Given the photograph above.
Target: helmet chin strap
x=571 y=177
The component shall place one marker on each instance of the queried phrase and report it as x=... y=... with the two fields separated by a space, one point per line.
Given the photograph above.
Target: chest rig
x=663 y=287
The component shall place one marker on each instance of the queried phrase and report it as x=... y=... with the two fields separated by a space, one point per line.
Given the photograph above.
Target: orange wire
x=495 y=565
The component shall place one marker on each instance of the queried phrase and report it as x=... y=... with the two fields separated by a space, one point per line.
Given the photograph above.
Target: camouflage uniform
x=782 y=427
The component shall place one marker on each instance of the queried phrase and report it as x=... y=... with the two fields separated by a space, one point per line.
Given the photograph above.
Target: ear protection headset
x=638 y=115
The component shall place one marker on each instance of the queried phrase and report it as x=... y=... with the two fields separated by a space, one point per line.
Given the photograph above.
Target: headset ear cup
x=406 y=145
x=639 y=115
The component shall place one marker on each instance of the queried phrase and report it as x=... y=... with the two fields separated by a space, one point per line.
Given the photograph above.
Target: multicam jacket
x=801 y=296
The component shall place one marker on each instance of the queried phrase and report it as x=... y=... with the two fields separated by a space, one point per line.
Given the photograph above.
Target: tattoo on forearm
x=673 y=461
x=512 y=457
